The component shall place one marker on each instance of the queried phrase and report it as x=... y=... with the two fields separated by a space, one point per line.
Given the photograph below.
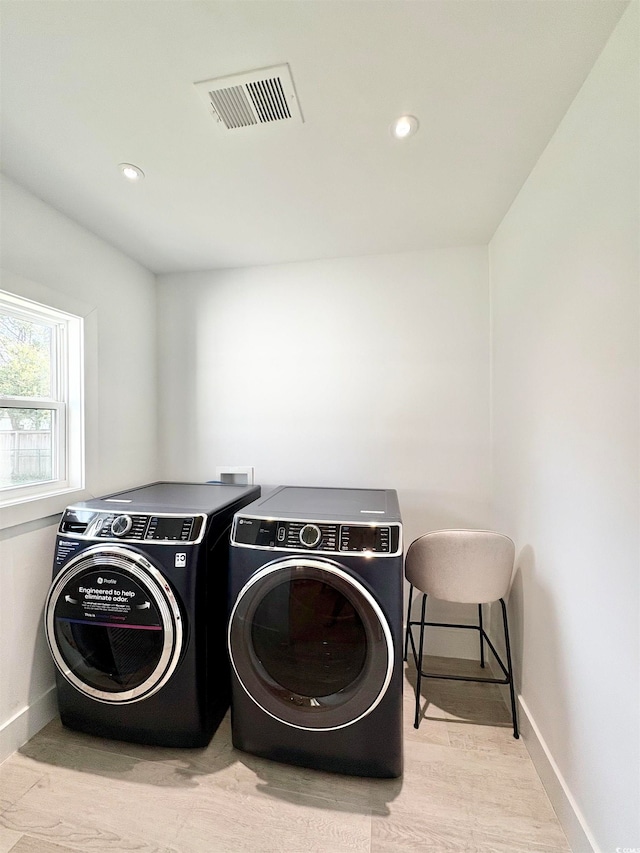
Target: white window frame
x=65 y=401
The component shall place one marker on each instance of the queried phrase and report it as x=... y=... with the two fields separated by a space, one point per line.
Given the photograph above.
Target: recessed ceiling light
x=131 y=172
x=404 y=126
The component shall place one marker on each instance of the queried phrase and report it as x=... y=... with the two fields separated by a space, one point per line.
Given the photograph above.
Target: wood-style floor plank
x=28 y=844
x=468 y=787
x=8 y=839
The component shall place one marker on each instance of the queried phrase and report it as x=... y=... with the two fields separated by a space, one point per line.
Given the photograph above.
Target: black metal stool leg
x=516 y=734
x=481 y=636
x=416 y=721
x=408 y=628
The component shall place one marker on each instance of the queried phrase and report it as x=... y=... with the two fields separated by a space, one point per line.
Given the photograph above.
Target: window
x=41 y=450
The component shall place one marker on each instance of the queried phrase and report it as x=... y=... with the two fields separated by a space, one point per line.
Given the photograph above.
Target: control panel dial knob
x=310 y=535
x=121 y=524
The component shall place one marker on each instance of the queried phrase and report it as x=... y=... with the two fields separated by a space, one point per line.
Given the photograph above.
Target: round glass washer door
x=113 y=625
x=310 y=645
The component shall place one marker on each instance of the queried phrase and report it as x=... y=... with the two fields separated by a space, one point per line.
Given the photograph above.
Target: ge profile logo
x=107 y=580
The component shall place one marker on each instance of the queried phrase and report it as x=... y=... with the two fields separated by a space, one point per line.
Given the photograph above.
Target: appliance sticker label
x=64 y=550
x=107 y=597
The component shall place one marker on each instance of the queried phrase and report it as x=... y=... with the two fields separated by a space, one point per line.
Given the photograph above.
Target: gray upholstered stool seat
x=467 y=566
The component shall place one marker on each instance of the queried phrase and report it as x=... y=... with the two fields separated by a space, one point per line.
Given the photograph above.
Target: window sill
x=33 y=509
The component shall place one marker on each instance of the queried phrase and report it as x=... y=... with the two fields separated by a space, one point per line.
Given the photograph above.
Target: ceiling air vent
x=256 y=97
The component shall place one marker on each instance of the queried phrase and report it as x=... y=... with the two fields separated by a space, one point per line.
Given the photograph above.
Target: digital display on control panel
x=168 y=528
x=365 y=538
x=178 y=529
x=360 y=538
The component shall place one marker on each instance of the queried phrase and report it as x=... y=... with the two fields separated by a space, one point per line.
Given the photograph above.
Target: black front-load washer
x=315 y=629
x=136 y=614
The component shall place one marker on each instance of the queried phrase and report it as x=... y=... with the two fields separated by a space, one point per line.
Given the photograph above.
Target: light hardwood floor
x=468 y=785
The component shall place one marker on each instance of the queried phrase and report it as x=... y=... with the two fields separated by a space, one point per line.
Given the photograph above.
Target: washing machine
x=315 y=629
x=135 y=617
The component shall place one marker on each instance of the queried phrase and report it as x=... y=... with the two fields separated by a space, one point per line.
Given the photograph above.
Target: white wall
x=361 y=372
x=355 y=372
x=566 y=432
x=49 y=257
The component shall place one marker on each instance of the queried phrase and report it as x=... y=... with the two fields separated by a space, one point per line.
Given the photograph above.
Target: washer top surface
x=167 y=497
x=334 y=504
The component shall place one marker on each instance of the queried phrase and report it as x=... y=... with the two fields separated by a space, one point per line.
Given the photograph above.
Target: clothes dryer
x=136 y=613
x=315 y=629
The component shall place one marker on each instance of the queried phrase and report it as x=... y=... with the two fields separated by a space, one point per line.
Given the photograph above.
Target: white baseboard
x=571 y=818
x=26 y=723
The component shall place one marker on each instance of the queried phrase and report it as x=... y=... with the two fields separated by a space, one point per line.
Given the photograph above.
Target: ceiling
x=89 y=84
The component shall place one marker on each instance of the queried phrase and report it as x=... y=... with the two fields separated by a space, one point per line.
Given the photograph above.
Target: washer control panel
x=131 y=527
x=333 y=537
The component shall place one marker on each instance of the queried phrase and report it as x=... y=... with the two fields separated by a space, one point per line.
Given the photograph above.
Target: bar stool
x=466 y=566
